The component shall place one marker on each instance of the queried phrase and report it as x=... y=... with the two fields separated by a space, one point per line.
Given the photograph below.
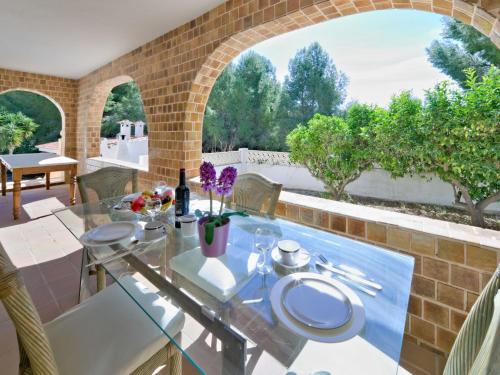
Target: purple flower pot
x=218 y=245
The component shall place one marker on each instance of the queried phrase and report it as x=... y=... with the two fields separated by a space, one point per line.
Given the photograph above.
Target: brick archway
x=176 y=71
x=262 y=22
x=62 y=133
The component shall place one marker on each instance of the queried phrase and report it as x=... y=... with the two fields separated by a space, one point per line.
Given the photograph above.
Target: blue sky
x=381 y=52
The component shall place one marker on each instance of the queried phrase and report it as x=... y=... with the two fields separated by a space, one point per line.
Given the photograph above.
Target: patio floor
x=49 y=258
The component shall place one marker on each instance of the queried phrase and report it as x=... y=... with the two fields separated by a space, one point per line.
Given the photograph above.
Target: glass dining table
x=231 y=301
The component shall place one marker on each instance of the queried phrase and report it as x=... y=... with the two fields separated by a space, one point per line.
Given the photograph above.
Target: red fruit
x=137 y=204
x=156 y=196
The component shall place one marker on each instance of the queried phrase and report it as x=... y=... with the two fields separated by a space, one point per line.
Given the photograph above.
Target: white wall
x=96 y=163
x=136 y=149
x=376 y=183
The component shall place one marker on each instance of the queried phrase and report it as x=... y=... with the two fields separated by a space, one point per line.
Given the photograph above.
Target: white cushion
x=109 y=333
x=221 y=277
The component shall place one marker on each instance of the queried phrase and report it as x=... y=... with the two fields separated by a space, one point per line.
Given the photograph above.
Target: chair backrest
x=106 y=182
x=473 y=332
x=253 y=192
x=488 y=359
x=34 y=348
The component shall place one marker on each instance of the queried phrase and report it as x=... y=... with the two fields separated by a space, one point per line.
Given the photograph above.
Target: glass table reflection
x=245 y=322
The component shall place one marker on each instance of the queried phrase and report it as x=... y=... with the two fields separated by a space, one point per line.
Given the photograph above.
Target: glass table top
x=232 y=301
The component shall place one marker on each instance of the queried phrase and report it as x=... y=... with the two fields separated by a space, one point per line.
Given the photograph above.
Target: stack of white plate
x=108 y=234
x=317 y=307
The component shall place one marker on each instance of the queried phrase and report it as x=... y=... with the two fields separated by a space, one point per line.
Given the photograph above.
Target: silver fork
x=326 y=261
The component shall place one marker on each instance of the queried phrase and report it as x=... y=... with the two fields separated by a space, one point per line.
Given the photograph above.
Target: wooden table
x=24 y=164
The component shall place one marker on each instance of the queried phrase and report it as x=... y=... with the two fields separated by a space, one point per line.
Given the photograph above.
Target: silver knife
x=350 y=276
x=359 y=287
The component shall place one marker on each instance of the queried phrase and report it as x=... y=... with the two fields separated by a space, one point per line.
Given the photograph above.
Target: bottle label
x=182 y=203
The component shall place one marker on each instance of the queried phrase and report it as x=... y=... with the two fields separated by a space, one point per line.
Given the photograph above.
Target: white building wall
x=135 y=149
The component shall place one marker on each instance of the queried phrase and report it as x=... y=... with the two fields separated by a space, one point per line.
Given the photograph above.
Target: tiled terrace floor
x=49 y=258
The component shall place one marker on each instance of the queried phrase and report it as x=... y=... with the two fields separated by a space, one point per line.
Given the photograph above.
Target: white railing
x=223 y=158
x=269 y=158
x=376 y=183
x=246 y=156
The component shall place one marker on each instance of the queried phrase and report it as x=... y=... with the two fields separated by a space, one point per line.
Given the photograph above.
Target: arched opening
x=48 y=119
x=237 y=43
x=116 y=126
x=124 y=129
x=45 y=112
x=426 y=195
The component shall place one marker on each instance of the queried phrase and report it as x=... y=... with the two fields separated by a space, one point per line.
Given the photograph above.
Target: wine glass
x=153 y=206
x=264 y=240
x=159 y=187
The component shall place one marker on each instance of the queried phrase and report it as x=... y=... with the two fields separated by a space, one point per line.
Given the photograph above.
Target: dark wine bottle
x=181 y=198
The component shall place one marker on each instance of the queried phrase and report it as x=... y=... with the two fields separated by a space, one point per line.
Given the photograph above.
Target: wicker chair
x=255 y=193
x=478 y=339
x=107 y=182
x=124 y=340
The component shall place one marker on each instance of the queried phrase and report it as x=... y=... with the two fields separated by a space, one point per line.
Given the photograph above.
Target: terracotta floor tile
x=32 y=276
x=63 y=287
x=58 y=269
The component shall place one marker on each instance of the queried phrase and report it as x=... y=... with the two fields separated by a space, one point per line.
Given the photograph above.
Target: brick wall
x=451 y=268
x=63 y=92
x=176 y=71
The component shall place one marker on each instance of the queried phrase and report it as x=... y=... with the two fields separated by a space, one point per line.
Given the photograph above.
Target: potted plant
x=213 y=229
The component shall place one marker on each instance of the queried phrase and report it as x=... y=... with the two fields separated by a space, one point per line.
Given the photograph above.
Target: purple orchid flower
x=226 y=181
x=207 y=176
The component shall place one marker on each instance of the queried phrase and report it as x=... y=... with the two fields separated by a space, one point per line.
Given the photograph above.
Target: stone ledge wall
x=94 y=164
x=449 y=273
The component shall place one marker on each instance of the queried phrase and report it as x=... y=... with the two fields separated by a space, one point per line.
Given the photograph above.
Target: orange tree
x=454 y=133
x=335 y=150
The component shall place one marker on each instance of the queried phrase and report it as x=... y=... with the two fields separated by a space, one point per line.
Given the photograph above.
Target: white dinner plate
x=317 y=303
x=303 y=258
x=108 y=234
x=295 y=321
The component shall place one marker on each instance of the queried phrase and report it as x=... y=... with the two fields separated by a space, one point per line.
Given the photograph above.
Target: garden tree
x=454 y=134
x=336 y=150
x=41 y=110
x=219 y=127
x=123 y=103
x=254 y=99
x=241 y=106
x=313 y=84
x=14 y=129
x=398 y=139
x=286 y=119
x=462 y=47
